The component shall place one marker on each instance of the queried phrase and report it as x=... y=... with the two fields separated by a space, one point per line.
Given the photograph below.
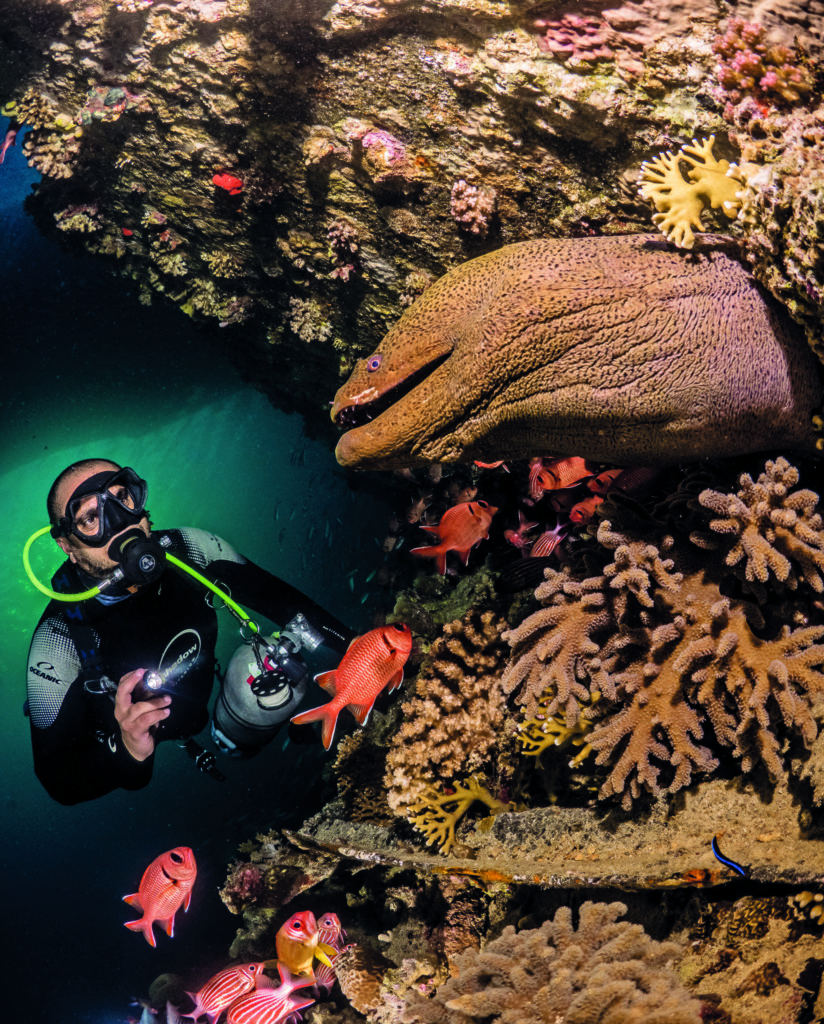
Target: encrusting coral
x=448 y=749
x=680 y=201
x=605 y=971
x=679 y=663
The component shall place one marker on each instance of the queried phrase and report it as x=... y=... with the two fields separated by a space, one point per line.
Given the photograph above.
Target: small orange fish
x=298 y=943
x=372 y=661
x=491 y=465
x=166 y=884
x=460 y=529
x=604 y=481
x=556 y=474
x=584 y=510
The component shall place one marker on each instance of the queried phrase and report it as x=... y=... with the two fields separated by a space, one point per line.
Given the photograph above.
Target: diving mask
x=103 y=506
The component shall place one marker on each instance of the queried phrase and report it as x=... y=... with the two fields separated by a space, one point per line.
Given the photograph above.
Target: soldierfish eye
x=373 y=362
x=176 y=857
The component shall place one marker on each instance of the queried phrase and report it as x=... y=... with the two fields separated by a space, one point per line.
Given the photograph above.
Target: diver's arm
x=260 y=591
x=256 y=589
x=70 y=760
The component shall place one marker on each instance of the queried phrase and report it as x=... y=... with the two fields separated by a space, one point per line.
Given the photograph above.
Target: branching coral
x=452 y=722
x=473 y=206
x=770 y=529
x=680 y=665
x=680 y=201
x=752 y=66
x=605 y=971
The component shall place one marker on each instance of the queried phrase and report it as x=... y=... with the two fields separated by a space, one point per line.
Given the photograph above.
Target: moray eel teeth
x=385 y=391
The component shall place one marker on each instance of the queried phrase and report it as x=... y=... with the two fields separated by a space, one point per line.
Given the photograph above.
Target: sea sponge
x=605 y=971
x=680 y=201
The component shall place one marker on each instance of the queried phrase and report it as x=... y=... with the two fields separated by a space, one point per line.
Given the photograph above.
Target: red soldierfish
x=166 y=884
x=584 y=510
x=460 y=529
x=556 y=474
x=548 y=541
x=269 y=1005
x=330 y=933
x=517 y=538
x=373 y=661
x=223 y=989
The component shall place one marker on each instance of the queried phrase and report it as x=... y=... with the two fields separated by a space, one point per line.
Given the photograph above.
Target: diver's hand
x=136 y=719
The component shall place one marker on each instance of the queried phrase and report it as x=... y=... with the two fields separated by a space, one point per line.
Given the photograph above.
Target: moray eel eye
x=373 y=362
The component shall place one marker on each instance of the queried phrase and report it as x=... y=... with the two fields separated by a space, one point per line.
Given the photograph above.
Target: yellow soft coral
x=680 y=202
x=436 y=814
x=547 y=730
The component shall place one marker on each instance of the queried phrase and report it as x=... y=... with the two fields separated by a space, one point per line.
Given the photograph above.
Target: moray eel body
x=617 y=349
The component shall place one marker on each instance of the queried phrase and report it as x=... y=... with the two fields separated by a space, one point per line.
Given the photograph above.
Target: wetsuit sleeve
x=72 y=759
x=258 y=590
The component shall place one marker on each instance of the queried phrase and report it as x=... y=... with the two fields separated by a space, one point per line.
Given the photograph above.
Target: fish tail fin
x=145 y=926
x=290 y=981
x=432 y=551
x=328 y=719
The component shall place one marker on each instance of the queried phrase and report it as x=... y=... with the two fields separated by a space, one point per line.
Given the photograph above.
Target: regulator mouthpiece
x=142 y=559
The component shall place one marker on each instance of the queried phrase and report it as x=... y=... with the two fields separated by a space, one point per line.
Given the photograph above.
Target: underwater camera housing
x=263 y=686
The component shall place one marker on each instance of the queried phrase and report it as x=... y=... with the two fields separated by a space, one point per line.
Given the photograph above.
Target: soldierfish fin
x=361 y=711
x=432 y=551
x=133 y=900
x=168 y=924
x=187 y=901
x=396 y=680
x=431 y=529
x=329 y=720
x=143 y=926
x=327 y=681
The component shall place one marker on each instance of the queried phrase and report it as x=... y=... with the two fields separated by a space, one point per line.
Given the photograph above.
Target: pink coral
x=473 y=207
x=579 y=36
x=751 y=66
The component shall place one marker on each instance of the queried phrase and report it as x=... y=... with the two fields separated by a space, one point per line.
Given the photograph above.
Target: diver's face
x=94 y=561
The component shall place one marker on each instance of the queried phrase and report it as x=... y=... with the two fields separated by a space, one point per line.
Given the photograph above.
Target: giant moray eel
x=618 y=349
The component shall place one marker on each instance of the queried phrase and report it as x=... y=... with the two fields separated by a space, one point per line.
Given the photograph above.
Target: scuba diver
x=124 y=655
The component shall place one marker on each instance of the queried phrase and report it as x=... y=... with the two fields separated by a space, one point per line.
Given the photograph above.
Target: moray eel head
x=387 y=399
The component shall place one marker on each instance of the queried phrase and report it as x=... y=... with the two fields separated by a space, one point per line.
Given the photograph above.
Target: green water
x=90 y=372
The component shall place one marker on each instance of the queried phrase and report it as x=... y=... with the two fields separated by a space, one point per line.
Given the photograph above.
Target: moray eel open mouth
x=368 y=408
x=385 y=404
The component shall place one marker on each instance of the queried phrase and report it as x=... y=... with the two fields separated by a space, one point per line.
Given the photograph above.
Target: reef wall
x=293 y=174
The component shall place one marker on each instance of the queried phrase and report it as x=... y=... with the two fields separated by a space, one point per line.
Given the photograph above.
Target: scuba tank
x=262 y=688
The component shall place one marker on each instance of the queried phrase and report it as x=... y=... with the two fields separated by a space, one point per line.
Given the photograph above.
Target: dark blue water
x=89 y=371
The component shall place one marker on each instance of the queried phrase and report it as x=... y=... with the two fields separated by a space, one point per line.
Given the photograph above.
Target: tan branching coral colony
x=683 y=671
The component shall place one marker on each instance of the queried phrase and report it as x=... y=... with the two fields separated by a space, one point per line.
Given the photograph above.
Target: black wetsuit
x=78 y=753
